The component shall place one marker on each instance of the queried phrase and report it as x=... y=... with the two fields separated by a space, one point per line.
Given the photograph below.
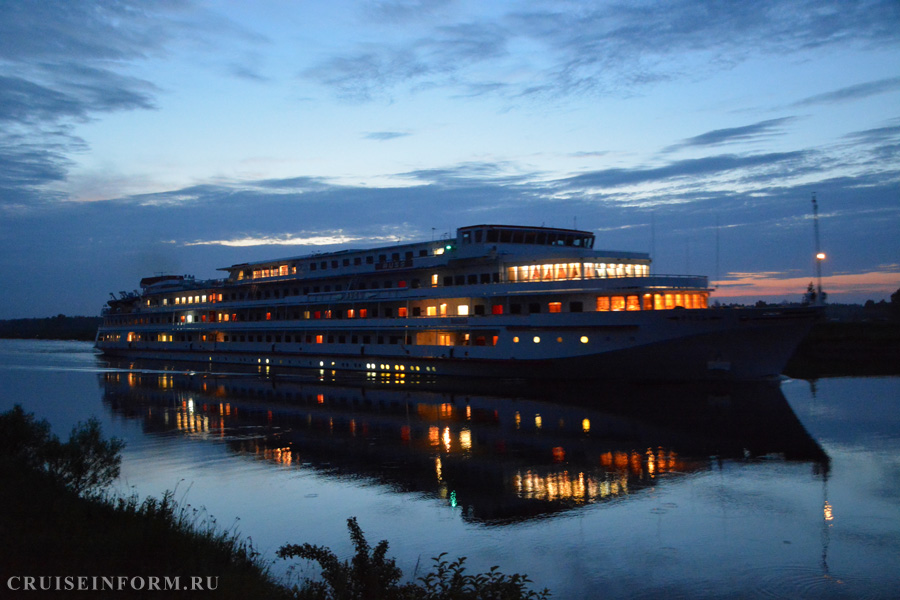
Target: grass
x=50 y=530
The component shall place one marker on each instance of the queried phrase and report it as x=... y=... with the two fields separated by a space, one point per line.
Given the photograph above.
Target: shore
x=72 y=542
x=835 y=348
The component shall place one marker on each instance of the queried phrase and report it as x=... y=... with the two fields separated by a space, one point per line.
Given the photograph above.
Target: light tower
x=820 y=256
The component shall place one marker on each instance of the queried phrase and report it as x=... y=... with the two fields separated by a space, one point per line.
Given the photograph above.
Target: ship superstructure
x=496 y=300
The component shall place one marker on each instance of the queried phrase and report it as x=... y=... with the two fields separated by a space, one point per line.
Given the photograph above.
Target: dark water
x=756 y=491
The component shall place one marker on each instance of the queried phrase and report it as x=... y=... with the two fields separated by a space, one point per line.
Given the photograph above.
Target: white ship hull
x=650 y=345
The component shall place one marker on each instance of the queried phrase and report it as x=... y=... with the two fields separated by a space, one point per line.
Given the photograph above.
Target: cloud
x=747 y=133
x=853 y=92
x=592 y=48
x=280 y=240
x=384 y=136
x=373 y=70
x=709 y=166
x=64 y=63
x=743 y=285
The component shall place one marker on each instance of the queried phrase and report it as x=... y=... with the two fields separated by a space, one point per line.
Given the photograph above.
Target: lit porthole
x=584 y=339
x=559 y=339
x=537 y=339
x=516 y=340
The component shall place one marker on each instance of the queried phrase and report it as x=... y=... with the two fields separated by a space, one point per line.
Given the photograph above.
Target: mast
x=820 y=256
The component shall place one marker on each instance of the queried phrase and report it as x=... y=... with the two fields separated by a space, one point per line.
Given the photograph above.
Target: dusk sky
x=139 y=138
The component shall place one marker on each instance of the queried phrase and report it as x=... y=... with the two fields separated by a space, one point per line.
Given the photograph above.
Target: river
x=784 y=490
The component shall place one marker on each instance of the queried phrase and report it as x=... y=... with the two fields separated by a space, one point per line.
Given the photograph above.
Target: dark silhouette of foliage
x=370 y=575
x=86 y=464
x=23 y=439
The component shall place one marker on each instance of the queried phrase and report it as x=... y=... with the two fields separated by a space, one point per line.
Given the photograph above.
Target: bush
x=86 y=464
x=370 y=575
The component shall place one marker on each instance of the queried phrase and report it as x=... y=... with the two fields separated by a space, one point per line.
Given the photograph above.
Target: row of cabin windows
x=426 y=338
x=323 y=265
x=472 y=278
x=658 y=301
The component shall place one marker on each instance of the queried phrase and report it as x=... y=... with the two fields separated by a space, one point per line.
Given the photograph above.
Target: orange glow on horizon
x=875 y=283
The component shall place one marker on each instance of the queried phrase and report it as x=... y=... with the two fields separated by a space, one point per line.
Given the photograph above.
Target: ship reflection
x=499 y=452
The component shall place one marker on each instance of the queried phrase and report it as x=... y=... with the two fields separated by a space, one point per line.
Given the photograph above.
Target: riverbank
x=835 y=348
x=59 y=327
x=74 y=542
x=63 y=532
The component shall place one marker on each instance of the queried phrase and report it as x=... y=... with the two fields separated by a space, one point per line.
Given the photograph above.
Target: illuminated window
x=462 y=310
x=319 y=339
x=363 y=312
x=584 y=339
x=632 y=303
x=537 y=339
x=559 y=339
x=670 y=301
x=516 y=340
x=603 y=303
x=496 y=309
x=648 y=302
x=434 y=279
x=203 y=298
x=268 y=316
x=443 y=310
x=431 y=311
x=351 y=313
x=617 y=303
x=555 y=307
x=402 y=311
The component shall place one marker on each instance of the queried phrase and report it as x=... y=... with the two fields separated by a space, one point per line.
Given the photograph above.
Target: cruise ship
x=499 y=301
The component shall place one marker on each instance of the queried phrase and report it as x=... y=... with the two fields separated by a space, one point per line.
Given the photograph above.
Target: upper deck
x=502 y=244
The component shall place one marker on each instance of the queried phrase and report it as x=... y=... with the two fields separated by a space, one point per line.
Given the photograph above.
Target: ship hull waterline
x=714 y=344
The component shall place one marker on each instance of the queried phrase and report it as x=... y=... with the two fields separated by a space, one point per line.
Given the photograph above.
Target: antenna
x=717 y=253
x=820 y=256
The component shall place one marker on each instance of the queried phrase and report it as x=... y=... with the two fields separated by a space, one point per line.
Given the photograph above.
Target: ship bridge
x=514 y=234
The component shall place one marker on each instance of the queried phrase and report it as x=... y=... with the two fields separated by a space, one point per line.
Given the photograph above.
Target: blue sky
x=181 y=136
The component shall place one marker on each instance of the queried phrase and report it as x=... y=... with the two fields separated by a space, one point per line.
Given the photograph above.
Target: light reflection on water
x=647 y=491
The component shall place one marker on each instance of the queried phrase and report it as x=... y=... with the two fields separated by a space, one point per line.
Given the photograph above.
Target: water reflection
x=500 y=452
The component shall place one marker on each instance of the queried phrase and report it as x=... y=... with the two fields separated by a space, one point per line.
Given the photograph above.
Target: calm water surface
x=756 y=491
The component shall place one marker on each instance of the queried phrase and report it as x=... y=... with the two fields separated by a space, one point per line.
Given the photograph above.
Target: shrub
x=370 y=575
x=86 y=464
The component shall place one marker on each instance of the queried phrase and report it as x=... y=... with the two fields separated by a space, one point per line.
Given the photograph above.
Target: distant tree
x=810 y=296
